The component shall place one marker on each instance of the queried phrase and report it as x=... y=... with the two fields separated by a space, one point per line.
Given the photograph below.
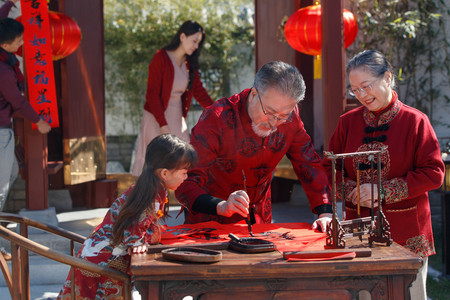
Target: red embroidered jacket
x=411 y=166
x=226 y=146
x=159 y=88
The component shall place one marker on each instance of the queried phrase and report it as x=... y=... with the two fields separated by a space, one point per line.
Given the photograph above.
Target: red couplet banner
x=286 y=236
x=38 y=60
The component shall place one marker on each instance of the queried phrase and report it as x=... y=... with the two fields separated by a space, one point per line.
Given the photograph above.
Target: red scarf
x=11 y=60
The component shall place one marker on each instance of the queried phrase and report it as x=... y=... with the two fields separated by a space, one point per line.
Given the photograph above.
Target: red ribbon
x=38 y=60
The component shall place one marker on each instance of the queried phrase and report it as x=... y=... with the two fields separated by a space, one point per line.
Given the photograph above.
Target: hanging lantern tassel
x=318 y=67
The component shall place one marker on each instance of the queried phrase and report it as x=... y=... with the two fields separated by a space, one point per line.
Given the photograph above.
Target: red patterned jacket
x=159 y=88
x=226 y=145
x=411 y=167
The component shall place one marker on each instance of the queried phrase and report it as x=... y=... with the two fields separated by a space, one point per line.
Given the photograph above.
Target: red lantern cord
x=303 y=30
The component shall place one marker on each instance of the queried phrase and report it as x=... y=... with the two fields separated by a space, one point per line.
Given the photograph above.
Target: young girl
x=132 y=221
x=173 y=79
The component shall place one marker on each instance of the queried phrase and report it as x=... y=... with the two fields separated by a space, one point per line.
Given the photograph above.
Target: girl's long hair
x=166 y=151
x=188 y=28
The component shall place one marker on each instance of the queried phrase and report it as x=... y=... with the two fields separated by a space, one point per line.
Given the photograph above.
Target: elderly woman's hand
x=365 y=193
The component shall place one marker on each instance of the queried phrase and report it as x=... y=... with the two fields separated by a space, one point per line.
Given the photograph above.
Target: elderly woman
x=411 y=166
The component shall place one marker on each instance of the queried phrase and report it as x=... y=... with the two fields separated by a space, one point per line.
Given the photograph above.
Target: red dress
x=226 y=146
x=97 y=249
x=411 y=166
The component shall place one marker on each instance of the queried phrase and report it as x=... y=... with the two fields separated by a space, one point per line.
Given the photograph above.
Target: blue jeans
x=6 y=162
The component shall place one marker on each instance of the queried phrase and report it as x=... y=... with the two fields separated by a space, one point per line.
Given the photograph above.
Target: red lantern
x=66 y=35
x=303 y=30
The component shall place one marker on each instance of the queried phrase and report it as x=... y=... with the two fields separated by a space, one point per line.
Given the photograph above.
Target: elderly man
x=244 y=137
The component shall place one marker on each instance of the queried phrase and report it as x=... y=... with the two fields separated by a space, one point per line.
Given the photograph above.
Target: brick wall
x=17 y=198
x=120 y=148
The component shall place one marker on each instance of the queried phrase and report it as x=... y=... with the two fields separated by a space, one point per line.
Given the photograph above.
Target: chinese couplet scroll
x=38 y=60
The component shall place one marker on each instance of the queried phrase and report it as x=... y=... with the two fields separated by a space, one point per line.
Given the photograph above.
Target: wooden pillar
x=35 y=145
x=305 y=64
x=332 y=65
x=268 y=17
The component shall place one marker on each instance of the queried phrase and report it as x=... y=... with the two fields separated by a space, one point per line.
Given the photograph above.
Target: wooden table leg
x=149 y=289
x=142 y=288
x=394 y=286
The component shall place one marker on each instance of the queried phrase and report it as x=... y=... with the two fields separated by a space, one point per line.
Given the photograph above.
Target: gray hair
x=373 y=62
x=282 y=77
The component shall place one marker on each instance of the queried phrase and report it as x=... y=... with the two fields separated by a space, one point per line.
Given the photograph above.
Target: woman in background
x=411 y=166
x=173 y=79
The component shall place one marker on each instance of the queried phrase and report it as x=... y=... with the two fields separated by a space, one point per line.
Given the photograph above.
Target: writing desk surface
x=234 y=265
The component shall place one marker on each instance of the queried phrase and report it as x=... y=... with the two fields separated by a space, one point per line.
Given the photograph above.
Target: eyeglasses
x=273 y=116
x=363 y=90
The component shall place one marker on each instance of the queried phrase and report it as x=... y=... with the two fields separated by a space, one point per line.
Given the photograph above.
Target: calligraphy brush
x=248 y=220
x=343 y=189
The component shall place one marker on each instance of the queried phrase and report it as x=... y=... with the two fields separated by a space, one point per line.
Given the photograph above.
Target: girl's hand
x=164 y=129
x=237 y=202
x=138 y=249
x=365 y=192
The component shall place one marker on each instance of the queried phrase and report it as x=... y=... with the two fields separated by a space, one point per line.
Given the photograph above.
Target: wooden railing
x=18 y=279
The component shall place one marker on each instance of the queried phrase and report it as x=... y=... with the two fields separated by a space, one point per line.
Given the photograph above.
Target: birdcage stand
x=376 y=225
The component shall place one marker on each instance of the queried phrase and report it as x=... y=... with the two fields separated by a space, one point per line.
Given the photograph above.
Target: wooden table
x=387 y=274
